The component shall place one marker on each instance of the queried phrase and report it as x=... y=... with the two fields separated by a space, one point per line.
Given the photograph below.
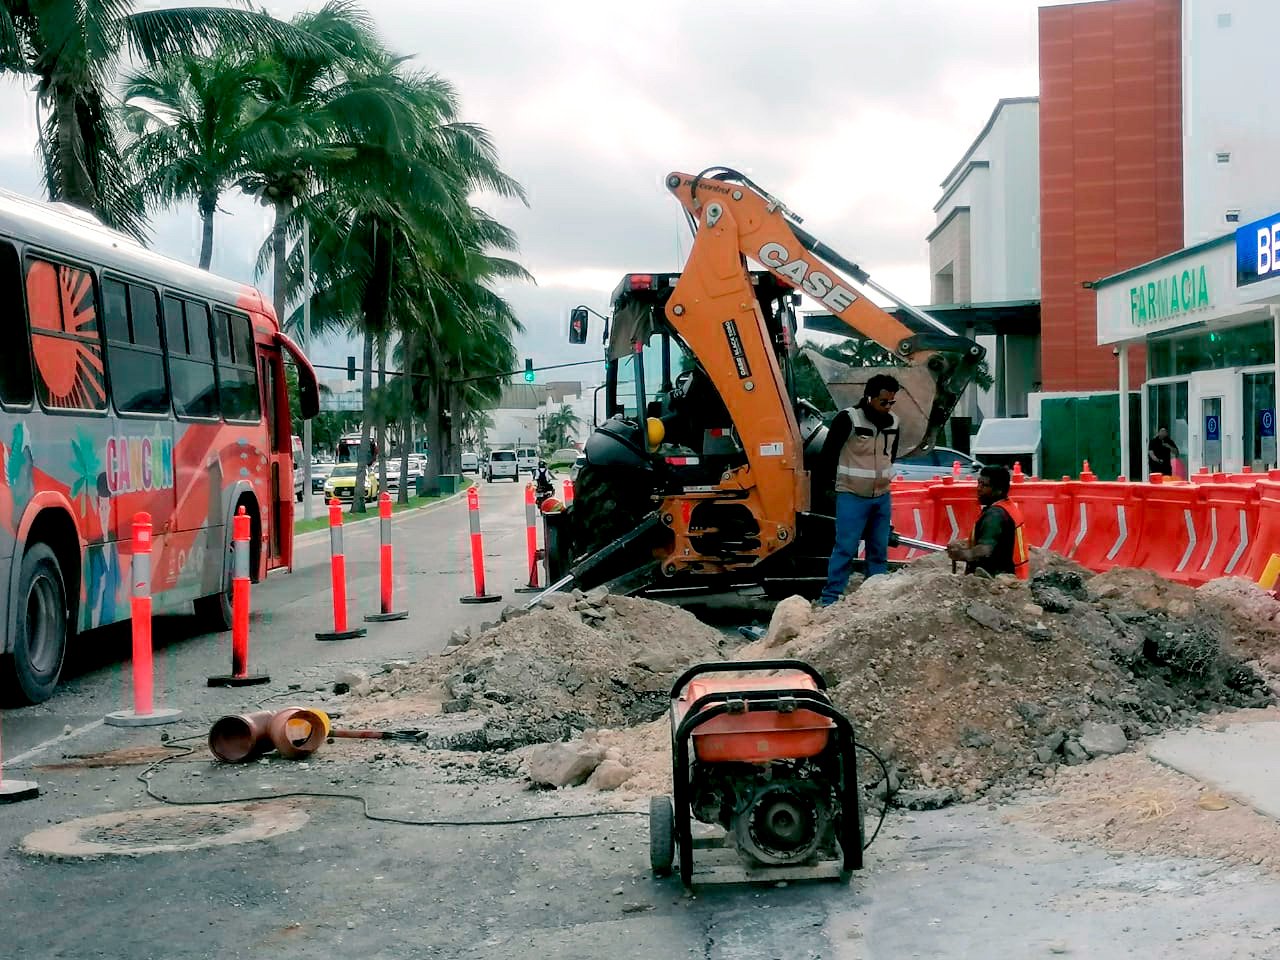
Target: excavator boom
x=937 y=364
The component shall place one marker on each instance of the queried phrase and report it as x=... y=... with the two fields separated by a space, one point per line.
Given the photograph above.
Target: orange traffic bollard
x=955 y=469
x=477 y=552
x=531 y=539
x=568 y=493
x=144 y=713
x=239 y=675
x=338 y=575
x=1018 y=476
x=384 y=565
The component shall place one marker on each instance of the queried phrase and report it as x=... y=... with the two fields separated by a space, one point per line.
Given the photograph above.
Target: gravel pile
x=971 y=685
x=581 y=661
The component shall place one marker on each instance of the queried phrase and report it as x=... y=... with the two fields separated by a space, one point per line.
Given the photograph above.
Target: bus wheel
x=215 y=612
x=30 y=673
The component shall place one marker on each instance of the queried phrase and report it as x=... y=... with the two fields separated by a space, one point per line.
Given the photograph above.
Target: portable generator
x=758 y=750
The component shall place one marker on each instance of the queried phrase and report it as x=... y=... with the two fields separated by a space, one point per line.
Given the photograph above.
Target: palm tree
x=561 y=423
x=72 y=48
x=195 y=122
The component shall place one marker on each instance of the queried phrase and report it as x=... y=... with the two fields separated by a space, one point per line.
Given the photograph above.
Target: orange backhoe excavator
x=707 y=464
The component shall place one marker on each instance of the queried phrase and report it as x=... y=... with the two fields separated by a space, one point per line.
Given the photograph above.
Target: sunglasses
x=885 y=403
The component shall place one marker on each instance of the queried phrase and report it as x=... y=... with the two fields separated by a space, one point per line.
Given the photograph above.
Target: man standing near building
x=998 y=544
x=1161 y=451
x=863 y=443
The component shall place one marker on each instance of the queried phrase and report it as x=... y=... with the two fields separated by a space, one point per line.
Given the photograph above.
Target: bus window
x=195 y=390
x=133 y=348
x=237 y=366
x=63 y=312
x=15 y=364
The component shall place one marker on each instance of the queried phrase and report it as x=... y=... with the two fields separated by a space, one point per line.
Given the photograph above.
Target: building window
x=1224 y=20
x=1250 y=345
x=1224 y=156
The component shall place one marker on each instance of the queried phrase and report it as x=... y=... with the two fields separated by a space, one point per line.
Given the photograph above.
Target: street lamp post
x=306 y=337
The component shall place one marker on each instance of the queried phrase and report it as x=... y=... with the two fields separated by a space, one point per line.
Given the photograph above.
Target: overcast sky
x=851 y=111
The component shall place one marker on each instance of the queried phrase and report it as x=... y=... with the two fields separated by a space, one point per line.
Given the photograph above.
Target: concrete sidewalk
x=1242 y=760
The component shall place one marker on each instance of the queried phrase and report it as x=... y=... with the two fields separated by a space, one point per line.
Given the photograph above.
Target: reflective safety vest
x=1021 y=555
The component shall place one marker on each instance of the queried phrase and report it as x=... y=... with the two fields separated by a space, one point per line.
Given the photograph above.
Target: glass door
x=1217 y=426
x=1260 y=420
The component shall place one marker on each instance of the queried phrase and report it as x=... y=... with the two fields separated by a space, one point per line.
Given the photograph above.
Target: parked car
x=470 y=462
x=502 y=465
x=342 y=482
x=527 y=459
x=299 y=480
x=579 y=462
x=935 y=463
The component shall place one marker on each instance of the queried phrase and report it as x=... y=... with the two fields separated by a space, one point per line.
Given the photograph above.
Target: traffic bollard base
x=342 y=634
x=481 y=598
x=248 y=680
x=529 y=589
x=384 y=617
x=127 y=718
x=11 y=791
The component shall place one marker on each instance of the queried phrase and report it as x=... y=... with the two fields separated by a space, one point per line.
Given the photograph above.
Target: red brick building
x=1110 y=169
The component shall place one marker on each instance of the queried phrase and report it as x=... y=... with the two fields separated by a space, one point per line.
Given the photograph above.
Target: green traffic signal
x=528 y=370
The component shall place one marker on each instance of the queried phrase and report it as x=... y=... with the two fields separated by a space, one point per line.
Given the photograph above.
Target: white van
x=502 y=466
x=470 y=463
x=527 y=459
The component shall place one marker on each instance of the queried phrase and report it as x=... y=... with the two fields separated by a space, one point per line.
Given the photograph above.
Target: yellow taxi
x=342 y=482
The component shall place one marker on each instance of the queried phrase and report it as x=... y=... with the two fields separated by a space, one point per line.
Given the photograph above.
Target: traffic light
x=578 y=325
x=351 y=368
x=528 y=370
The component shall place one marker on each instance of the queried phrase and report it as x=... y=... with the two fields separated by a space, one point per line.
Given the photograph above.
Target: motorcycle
x=543 y=488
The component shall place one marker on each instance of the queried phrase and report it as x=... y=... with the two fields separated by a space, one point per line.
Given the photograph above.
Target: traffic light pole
x=485 y=376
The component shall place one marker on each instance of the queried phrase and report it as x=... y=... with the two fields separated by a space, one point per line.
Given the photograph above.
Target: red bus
x=131 y=382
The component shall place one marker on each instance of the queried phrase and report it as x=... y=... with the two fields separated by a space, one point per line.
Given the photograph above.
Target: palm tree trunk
x=366 y=415
x=279 y=258
x=77 y=185
x=206 y=238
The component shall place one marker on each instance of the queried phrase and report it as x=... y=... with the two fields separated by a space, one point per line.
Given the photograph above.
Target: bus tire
x=30 y=673
x=215 y=612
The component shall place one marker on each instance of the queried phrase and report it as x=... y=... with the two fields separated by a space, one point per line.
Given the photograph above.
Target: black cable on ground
x=143 y=778
x=884 y=806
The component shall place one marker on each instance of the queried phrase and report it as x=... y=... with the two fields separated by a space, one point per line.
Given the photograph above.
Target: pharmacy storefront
x=1209 y=317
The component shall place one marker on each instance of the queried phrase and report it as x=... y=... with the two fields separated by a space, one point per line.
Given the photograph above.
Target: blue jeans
x=857 y=519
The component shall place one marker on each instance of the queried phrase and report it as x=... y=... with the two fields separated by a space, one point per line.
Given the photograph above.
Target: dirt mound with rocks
x=577 y=662
x=968 y=683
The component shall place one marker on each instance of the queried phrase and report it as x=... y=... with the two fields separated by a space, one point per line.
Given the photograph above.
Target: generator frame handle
x=744 y=666
x=851 y=838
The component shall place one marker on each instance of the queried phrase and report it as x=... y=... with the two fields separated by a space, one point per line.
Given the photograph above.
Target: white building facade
x=985 y=247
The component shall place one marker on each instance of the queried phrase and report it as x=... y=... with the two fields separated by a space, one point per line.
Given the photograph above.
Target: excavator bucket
x=920 y=415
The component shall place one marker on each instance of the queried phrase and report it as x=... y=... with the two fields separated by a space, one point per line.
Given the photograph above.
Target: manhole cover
x=163 y=830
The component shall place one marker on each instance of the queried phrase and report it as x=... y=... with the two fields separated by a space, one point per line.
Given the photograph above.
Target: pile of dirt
x=578 y=662
x=1251 y=614
x=970 y=683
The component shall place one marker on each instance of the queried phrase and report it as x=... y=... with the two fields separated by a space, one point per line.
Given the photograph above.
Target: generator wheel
x=662 y=835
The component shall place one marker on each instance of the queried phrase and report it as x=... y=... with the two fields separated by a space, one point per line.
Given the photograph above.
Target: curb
x=316 y=536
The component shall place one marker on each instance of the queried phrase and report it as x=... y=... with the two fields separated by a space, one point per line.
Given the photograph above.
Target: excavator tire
x=607 y=503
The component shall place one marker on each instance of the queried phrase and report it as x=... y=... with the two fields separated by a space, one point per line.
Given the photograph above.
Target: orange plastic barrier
x=1046 y=507
x=1106 y=522
x=1174 y=528
x=1267 y=536
x=955 y=509
x=1232 y=525
x=912 y=516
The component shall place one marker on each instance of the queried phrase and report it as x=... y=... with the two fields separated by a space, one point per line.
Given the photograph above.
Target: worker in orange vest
x=998 y=544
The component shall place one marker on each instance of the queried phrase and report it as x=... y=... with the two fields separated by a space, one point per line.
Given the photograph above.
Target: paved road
x=961 y=883
x=433 y=570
